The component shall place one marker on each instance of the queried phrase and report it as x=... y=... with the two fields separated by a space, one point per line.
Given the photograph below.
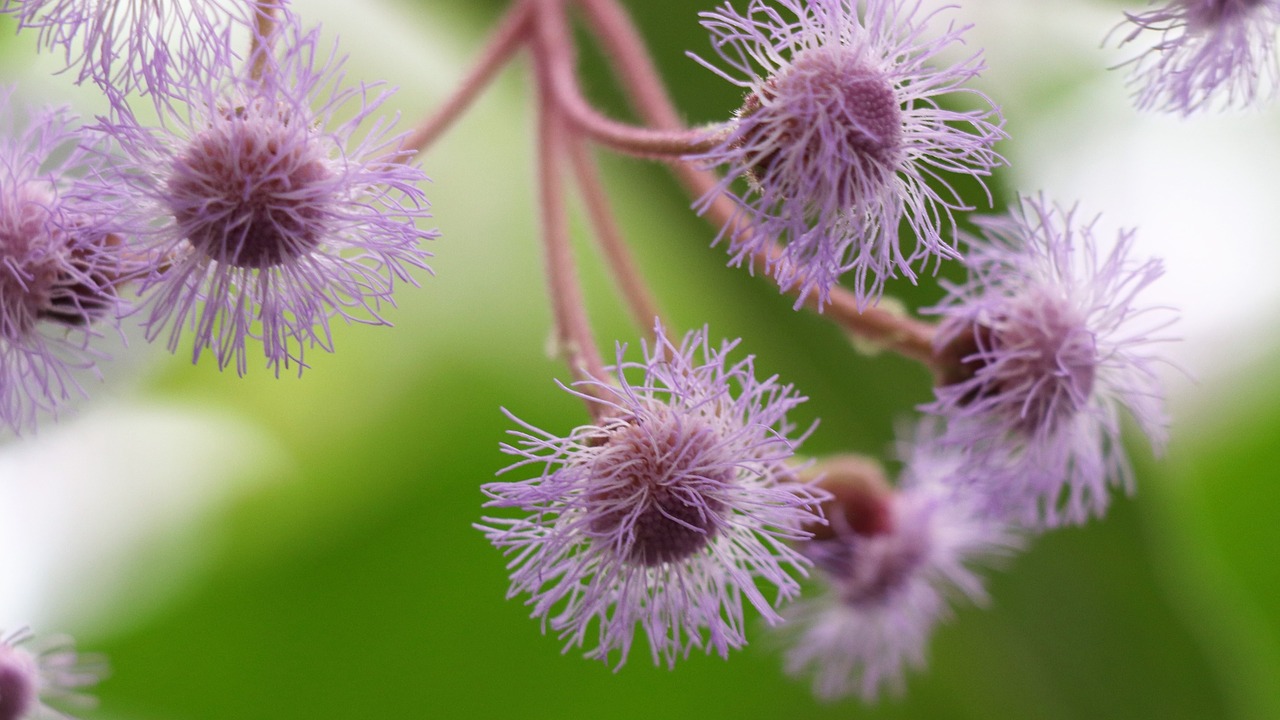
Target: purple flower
x=842 y=136
x=1208 y=49
x=128 y=44
x=59 y=267
x=1045 y=343
x=887 y=587
x=672 y=507
x=35 y=671
x=263 y=221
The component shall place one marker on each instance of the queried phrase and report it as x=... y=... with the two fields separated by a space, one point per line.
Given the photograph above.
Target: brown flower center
x=250 y=191
x=661 y=494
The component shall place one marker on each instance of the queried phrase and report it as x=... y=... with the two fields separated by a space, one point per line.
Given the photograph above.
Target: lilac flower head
x=262 y=220
x=1209 y=51
x=35 y=671
x=59 y=267
x=666 y=512
x=127 y=44
x=1046 y=342
x=887 y=588
x=842 y=137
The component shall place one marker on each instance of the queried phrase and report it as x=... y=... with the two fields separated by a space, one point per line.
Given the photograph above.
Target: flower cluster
x=890 y=566
x=267 y=201
x=262 y=215
x=270 y=199
x=1037 y=355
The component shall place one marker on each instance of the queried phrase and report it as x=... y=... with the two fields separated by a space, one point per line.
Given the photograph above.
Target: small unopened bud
x=861 y=497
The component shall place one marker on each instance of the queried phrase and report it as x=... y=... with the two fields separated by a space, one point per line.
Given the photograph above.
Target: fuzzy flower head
x=1045 y=343
x=265 y=218
x=672 y=507
x=59 y=267
x=842 y=137
x=1208 y=51
x=33 y=672
x=124 y=45
x=888 y=585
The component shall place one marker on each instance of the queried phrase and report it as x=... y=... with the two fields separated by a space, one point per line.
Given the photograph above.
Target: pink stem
x=264 y=26
x=632 y=63
x=644 y=311
x=907 y=336
x=572 y=326
x=664 y=144
x=512 y=31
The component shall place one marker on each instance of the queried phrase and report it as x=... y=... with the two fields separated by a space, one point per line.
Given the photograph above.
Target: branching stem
x=573 y=328
x=644 y=311
x=613 y=26
x=512 y=32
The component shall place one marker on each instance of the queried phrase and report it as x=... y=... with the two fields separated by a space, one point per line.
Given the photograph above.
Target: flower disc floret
x=666 y=513
x=264 y=217
x=842 y=137
x=865 y=127
x=1046 y=342
x=1209 y=52
x=251 y=191
x=660 y=487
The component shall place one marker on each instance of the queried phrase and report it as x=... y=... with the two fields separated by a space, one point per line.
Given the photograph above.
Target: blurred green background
x=345 y=579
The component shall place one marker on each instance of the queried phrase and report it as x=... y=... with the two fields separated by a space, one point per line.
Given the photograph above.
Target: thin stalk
x=644 y=311
x=662 y=144
x=573 y=329
x=632 y=64
x=904 y=335
x=512 y=32
x=264 y=30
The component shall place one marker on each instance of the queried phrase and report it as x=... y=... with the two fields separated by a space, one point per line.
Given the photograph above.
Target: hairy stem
x=573 y=328
x=644 y=311
x=613 y=26
x=512 y=32
x=264 y=29
x=662 y=143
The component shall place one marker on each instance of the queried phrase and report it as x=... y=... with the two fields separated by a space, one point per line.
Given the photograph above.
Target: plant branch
x=264 y=27
x=644 y=311
x=573 y=328
x=613 y=26
x=662 y=143
x=512 y=32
